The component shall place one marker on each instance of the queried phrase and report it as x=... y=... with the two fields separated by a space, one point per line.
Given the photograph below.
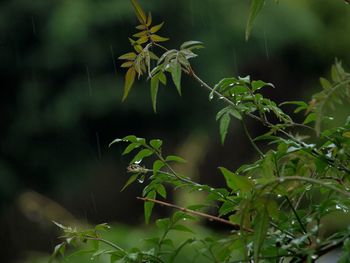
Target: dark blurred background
x=60 y=102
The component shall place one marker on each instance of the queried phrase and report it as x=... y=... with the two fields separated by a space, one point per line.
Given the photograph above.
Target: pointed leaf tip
x=129 y=81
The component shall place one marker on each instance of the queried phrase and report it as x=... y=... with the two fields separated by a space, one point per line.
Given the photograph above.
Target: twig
x=251 y=139
x=298 y=218
x=106 y=242
x=190 y=211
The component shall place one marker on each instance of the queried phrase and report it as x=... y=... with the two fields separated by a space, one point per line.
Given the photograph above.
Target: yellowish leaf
x=142 y=40
x=346 y=134
x=141 y=27
x=140 y=34
x=157 y=38
x=149 y=19
x=128 y=56
x=156 y=28
x=127 y=64
x=141 y=16
x=138 y=48
x=129 y=81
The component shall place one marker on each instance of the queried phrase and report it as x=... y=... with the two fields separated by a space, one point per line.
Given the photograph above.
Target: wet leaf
x=141 y=154
x=148 y=206
x=255 y=8
x=236 y=182
x=224 y=124
x=156 y=143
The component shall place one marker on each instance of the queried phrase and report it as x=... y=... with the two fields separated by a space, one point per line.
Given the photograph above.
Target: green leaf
x=131 y=147
x=174 y=158
x=141 y=16
x=148 y=206
x=156 y=28
x=162 y=78
x=182 y=228
x=129 y=81
x=260 y=231
x=255 y=8
x=258 y=84
x=235 y=113
x=102 y=227
x=133 y=138
x=222 y=112
x=141 y=154
x=156 y=143
x=176 y=74
x=154 y=91
x=310 y=118
x=163 y=223
x=130 y=181
x=177 y=216
x=236 y=182
x=157 y=165
x=224 y=123
x=325 y=83
x=161 y=190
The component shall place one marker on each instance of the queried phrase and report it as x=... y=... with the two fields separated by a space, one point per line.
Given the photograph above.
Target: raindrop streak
x=113 y=59
x=98 y=146
x=89 y=79
x=33 y=26
x=266 y=49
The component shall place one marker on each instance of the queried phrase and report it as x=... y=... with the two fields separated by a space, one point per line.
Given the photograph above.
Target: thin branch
x=197 y=213
x=111 y=244
x=297 y=217
x=251 y=139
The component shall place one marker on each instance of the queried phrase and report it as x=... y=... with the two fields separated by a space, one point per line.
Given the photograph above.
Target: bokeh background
x=60 y=102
